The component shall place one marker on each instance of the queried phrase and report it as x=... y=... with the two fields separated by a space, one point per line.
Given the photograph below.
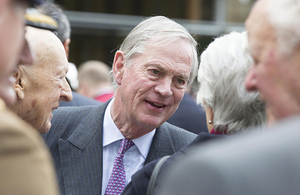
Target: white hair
x=223 y=68
x=284 y=16
x=161 y=28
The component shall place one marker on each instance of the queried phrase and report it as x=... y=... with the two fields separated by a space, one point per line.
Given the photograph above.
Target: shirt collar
x=111 y=133
x=143 y=143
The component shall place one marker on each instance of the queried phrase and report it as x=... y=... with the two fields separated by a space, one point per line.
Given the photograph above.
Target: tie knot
x=125 y=145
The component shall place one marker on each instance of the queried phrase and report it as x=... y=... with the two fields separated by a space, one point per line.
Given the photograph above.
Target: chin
x=152 y=122
x=45 y=128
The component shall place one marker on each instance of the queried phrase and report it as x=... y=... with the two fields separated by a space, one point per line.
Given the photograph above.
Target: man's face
x=13 y=46
x=45 y=83
x=274 y=74
x=151 y=86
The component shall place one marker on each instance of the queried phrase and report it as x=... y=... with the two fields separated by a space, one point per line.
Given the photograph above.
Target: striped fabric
x=75 y=141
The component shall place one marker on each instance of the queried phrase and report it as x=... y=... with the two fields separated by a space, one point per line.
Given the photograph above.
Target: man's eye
x=180 y=81
x=154 y=71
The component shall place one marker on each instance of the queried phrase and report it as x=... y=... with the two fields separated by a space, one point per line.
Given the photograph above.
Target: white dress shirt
x=134 y=157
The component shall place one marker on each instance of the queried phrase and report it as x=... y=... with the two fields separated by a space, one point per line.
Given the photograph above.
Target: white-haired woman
x=229 y=107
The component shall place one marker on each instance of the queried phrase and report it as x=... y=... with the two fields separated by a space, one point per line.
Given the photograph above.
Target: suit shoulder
x=177 y=131
x=80 y=100
x=66 y=119
x=69 y=114
x=167 y=140
x=178 y=136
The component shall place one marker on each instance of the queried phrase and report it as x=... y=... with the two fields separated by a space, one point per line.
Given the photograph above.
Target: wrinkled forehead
x=160 y=41
x=163 y=43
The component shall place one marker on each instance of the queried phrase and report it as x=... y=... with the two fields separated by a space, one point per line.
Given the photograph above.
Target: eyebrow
x=186 y=78
x=159 y=67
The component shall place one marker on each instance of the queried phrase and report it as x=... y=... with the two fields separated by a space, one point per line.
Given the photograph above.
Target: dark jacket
x=140 y=180
x=75 y=141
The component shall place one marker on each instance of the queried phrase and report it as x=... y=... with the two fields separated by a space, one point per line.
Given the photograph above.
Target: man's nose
x=26 y=55
x=250 y=81
x=164 y=87
x=66 y=92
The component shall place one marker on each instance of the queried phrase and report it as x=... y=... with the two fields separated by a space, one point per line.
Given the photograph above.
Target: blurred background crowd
x=98 y=27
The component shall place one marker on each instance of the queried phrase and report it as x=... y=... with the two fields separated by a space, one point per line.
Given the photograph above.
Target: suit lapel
x=81 y=155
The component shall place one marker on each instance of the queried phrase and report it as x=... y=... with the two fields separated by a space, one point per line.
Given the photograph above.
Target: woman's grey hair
x=223 y=68
x=55 y=12
x=159 y=28
x=284 y=16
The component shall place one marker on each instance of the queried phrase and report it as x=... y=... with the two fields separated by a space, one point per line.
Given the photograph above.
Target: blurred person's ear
x=66 y=44
x=20 y=84
x=118 y=66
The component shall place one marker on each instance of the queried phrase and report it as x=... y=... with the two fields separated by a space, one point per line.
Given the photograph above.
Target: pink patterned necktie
x=116 y=183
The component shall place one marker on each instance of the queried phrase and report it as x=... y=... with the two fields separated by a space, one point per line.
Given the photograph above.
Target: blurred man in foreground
x=25 y=165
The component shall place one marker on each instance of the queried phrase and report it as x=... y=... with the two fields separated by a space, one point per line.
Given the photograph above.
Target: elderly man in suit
x=261 y=163
x=43 y=85
x=152 y=69
x=25 y=165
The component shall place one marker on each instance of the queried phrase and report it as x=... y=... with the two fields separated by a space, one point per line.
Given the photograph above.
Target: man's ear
x=20 y=83
x=66 y=44
x=118 y=66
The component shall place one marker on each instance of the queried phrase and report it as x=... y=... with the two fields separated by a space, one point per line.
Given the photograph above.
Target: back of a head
x=55 y=12
x=223 y=68
x=160 y=28
x=93 y=73
x=284 y=16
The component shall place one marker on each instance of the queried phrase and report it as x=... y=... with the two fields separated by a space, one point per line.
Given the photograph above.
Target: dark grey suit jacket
x=263 y=163
x=75 y=141
x=79 y=100
x=140 y=180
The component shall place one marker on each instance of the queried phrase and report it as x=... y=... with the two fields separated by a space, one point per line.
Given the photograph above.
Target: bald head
x=43 y=85
x=93 y=76
x=93 y=72
x=44 y=44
